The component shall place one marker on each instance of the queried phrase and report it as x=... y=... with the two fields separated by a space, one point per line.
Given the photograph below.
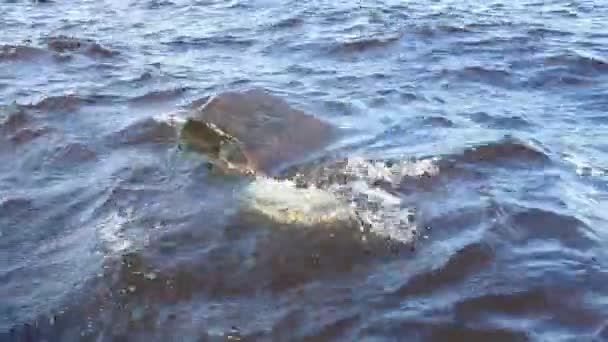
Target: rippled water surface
x=110 y=232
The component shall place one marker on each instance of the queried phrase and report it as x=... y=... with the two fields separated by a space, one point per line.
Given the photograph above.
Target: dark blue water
x=108 y=232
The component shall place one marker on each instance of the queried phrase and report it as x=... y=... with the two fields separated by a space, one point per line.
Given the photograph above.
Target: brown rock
x=271 y=133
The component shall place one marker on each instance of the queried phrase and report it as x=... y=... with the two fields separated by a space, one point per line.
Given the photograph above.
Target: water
x=108 y=231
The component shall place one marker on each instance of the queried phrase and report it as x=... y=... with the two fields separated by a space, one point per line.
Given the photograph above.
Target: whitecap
x=111 y=232
x=377 y=210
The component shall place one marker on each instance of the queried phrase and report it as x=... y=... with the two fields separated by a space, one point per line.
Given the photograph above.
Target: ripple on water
x=9 y=53
x=440 y=330
x=559 y=303
x=537 y=224
x=73 y=153
x=146 y=131
x=360 y=45
x=505 y=151
x=62 y=103
x=500 y=122
x=155 y=97
x=20 y=128
x=57 y=48
x=288 y=23
x=12 y=210
x=441 y=30
x=463 y=264
x=16 y=119
x=88 y=47
x=579 y=61
x=484 y=74
x=220 y=42
x=159 y=4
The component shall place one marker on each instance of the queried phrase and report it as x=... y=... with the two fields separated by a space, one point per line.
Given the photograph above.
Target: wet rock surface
x=271 y=132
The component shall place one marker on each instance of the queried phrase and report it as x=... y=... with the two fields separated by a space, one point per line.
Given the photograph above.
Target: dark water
x=109 y=232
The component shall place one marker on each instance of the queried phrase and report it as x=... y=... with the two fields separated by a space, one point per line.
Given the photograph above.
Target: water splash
x=358 y=199
x=110 y=231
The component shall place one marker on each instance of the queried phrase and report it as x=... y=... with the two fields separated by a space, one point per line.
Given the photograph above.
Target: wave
x=602 y=333
x=62 y=44
x=515 y=43
x=530 y=224
x=56 y=48
x=504 y=151
x=21 y=53
x=556 y=77
x=27 y=135
x=227 y=41
x=16 y=119
x=577 y=61
x=61 y=103
x=562 y=304
x=292 y=22
x=73 y=153
x=501 y=122
x=461 y=266
x=158 y=4
x=440 y=330
x=360 y=45
x=147 y=131
x=543 y=32
x=19 y=127
x=354 y=191
x=13 y=207
x=485 y=74
x=156 y=96
x=429 y=31
x=436 y=121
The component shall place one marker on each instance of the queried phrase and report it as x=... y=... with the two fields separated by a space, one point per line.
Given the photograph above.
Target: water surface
x=108 y=231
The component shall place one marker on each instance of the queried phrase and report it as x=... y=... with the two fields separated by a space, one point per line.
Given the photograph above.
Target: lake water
x=110 y=232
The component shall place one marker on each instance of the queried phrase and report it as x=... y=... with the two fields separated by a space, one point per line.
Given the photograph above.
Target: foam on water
x=284 y=202
x=380 y=171
x=374 y=209
x=110 y=233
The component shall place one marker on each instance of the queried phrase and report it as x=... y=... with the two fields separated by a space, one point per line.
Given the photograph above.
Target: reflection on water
x=110 y=230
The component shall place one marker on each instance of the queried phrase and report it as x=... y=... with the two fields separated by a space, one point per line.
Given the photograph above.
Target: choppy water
x=109 y=232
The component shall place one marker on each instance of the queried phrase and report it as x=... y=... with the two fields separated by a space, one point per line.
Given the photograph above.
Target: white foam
x=110 y=232
x=382 y=212
x=284 y=202
x=173 y=119
x=373 y=171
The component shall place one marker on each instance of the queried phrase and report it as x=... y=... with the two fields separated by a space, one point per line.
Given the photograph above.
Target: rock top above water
x=270 y=133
